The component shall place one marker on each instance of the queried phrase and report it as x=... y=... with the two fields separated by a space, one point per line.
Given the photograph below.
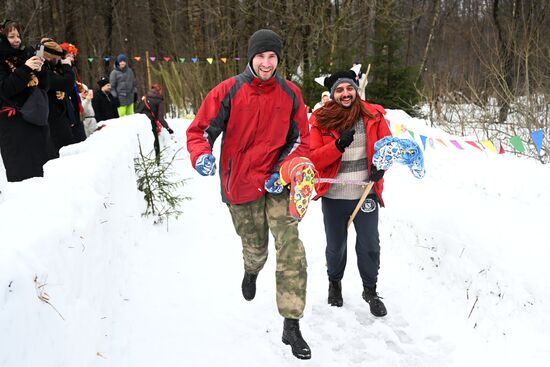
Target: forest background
x=491 y=55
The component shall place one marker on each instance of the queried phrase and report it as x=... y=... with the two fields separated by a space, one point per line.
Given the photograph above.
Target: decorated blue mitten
x=412 y=157
x=273 y=184
x=206 y=165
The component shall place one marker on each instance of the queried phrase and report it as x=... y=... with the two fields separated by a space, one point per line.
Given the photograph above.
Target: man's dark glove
x=375 y=174
x=170 y=131
x=346 y=138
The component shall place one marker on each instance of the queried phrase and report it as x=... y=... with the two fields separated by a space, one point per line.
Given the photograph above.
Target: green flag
x=517 y=144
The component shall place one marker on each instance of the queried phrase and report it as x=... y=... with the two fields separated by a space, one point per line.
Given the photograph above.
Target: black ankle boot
x=377 y=307
x=293 y=337
x=249 y=286
x=335 y=293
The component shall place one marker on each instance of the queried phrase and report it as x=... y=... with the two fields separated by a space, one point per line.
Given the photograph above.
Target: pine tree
x=155 y=178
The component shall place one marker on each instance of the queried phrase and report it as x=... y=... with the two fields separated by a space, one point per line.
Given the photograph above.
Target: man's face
x=264 y=64
x=106 y=88
x=122 y=64
x=345 y=94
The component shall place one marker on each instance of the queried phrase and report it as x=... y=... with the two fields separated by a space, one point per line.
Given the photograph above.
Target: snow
x=463 y=270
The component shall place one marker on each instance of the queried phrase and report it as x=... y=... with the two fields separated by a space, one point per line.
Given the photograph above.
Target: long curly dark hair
x=332 y=116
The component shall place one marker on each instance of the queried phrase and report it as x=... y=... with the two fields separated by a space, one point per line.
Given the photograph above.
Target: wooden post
x=148 y=70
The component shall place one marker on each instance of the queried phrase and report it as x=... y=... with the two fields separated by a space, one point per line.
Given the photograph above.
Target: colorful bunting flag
x=182 y=60
x=473 y=143
x=137 y=58
x=167 y=58
x=224 y=59
x=106 y=58
x=431 y=142
x=411 y=133
x=90 y=59
x=194 y=60
x=456 y=144
x=397 y=130
x=517 y=144
x=537 y=137
x=441 y=141
x=237 y=58
x=210 y=60
x=489 y=145
x=423 y=139
x=153 y=58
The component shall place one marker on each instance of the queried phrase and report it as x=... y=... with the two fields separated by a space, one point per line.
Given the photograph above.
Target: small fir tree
x=155 y=178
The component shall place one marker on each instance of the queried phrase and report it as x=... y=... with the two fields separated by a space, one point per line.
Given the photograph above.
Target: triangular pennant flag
x=397 y=130
x=137 y=58
x=167 y=58
x=236 y=58
x=501 y=149
x=194 y=60
x=411 y=133
x=441 y=141
x=224 y=59
x=489 y=145
x=423 y=139
x=152 y=58
x=473 y=143
x=431 y=142
x=90 y=59
x=537 y=137
x=182 y=60
x=106 y=58
x=456 y=144
x=517 y=144
x=210 y=60
x=404 y=129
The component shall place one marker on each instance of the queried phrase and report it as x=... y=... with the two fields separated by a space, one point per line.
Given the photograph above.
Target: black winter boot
x=249 y=286
x=293 y=337
x=335 y=293
x=377 y=307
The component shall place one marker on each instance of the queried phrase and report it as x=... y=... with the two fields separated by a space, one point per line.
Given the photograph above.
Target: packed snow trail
x=463 y=269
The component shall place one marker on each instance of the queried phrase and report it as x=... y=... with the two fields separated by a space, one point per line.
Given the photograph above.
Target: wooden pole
x=148 y=70
x=360 y=203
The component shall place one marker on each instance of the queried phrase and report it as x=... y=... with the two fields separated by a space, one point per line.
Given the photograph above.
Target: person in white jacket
x=88 y=116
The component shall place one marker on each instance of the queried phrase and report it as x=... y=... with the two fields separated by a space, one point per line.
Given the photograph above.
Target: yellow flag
x=397 y=130
x=489 y=145
x=209 y=59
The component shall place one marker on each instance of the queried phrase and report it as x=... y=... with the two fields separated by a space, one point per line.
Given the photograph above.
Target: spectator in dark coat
x=123 y=82
x=24 y=146
x=104 y=103
x=152 y=105
x=74 y=107
x=62 y=79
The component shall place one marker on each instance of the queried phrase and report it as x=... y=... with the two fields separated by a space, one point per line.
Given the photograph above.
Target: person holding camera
x=62 y=80
x=25 y=142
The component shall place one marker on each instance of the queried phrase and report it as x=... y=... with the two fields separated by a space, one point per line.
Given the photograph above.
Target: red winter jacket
x=264 y=123
x=327 y=158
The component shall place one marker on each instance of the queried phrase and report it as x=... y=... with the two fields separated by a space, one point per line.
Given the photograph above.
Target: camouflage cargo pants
x=252 y=222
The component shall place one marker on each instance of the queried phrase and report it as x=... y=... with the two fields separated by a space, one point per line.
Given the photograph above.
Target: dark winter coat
x=105 y=106
x=327 y=158
x=123 y=84
x=264 y=123
x=155 y=100
x=73 y=109
x=25 y=147
x=62 y=79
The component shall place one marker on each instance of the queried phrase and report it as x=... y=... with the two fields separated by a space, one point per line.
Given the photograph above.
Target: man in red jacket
x=343 y=134
x=264 y=122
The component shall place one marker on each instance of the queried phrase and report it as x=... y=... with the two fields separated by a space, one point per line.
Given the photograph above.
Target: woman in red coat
x=343 y=133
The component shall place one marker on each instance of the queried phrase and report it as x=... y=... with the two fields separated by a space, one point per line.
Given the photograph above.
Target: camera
x=39 y=50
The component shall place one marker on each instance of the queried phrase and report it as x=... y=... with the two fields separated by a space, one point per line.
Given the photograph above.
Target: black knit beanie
x=262 y=41
x=339 y=77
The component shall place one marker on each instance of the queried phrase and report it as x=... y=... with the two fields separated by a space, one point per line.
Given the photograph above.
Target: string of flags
x=180 y=60
x=495 y=146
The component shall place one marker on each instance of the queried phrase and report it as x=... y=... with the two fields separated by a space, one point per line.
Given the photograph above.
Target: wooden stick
x=360 y=203
x=148 y=66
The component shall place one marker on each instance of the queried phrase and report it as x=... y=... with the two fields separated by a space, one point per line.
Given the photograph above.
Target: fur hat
x=52 y=48
x=339 y=77
x=69 y=48
x=262 y=41
x=103 y=81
